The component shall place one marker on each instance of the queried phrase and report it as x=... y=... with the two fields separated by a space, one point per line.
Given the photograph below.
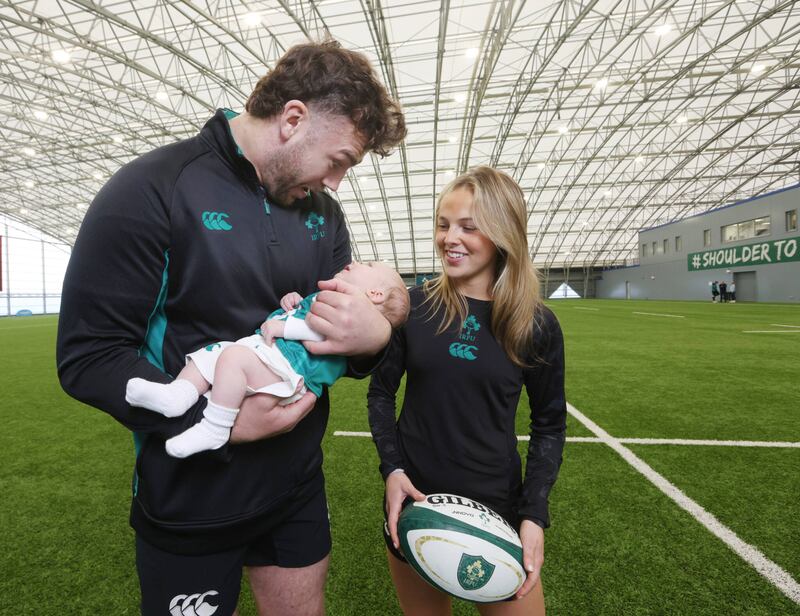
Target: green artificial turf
x=617 y=544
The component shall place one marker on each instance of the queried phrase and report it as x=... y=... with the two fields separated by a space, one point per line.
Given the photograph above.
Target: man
x=196 y=242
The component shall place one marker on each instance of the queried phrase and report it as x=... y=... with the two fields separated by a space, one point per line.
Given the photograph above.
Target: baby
x=255 y=365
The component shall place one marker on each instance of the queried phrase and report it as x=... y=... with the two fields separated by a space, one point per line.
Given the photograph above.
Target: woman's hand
x=532 y=537
x=398 y=487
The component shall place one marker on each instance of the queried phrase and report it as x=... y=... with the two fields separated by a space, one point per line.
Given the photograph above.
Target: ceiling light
x=681 y=119
x=28 y=151
x=162 y=96
x=29 y=184
x=601 y=84
x=471 y=53
x=757 y=69
x=62 y=56
x=449 y=173
x=97 y=175
x=23 y=210
x=662 y=30
x=563 y=129
x=118 y=139
x=452 y=139
x=607 y=193
x=40 y=115
x=461 y=97
x=251 y=20
x=379 y=234
x=541 y=165
x=638 y=160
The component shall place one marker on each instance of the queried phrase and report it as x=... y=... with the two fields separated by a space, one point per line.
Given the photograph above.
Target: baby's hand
x=290 y=301
x=271 y=329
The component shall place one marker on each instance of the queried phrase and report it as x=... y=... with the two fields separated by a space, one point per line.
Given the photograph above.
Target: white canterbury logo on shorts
x=192 y=605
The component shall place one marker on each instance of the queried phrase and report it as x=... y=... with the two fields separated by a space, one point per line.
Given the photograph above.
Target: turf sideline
x=775 y=574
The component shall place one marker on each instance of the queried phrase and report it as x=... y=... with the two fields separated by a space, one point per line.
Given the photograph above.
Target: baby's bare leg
x=237 y=368
x=169 y=399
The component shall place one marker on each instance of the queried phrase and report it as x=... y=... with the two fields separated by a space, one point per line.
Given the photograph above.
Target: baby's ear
x=376 y=295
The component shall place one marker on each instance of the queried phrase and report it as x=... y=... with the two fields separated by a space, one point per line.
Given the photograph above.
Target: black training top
x=456 y=429
x=179 y=249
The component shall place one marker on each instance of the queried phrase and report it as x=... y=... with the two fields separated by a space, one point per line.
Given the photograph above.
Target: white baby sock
x=169 y=399
x=212 y=432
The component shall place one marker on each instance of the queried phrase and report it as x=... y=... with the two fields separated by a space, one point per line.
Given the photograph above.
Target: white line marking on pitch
x=782 y=325
x=779 y=577
x=771 y=331
x=570 y=439
x=656 y=314
x=581 y=308
x=644 y=441
x=12 y=328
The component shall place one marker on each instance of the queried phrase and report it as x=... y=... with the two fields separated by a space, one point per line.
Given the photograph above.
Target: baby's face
x=368 y=276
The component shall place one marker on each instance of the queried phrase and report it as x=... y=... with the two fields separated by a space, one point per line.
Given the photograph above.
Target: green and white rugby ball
x=462 y=547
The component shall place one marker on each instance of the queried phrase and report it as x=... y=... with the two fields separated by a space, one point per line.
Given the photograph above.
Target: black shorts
x=175 y=584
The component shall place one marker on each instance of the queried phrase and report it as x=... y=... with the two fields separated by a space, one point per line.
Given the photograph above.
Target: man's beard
x=282 y=173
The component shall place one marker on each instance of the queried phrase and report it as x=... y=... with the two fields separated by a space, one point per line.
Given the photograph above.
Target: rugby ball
x=462 y=547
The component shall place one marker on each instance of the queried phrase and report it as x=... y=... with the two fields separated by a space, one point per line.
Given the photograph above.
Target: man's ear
x=377 y=296
x=293 y=119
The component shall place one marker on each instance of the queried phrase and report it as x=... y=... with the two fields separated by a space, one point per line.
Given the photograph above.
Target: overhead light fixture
x=97 y=175
x=563 y=129
x=638 y=160
x=601 y=84
x=541 y=165
x=681 y=119
x=452 y=139
x=252 y=20
x=23 y=210
x=449 y=173
x=28 y=151
x=461 y=97
x=471 y=53
x=62 y=56
x=40 y=115
x=607 y=193
x=162 y=96
x=29 y=184
x=118 y=139
x=757 y=69
x=662 y=30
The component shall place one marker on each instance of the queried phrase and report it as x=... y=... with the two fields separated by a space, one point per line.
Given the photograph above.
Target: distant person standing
x=732 y=293
x=723 y=291
x=714 y=291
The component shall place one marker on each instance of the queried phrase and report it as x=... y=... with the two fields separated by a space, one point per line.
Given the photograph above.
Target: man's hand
x=290 y=301
x=255 y=421
x=532 y=537
x=398 y=487
x=271 y=329
x=349 y=321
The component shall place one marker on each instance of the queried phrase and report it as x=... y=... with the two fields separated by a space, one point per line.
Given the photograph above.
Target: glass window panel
x=678 y=243
x=791 y=220
x=666 y=246
x=746 y=230
x=730 y=233
x=707 y=237
x=762 y=226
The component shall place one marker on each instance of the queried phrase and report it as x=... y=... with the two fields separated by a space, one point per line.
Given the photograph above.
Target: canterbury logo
x=216 y=221
x=463 y=351
x=192 y=605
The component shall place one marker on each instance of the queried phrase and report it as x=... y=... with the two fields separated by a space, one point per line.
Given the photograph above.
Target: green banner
x=760 y=253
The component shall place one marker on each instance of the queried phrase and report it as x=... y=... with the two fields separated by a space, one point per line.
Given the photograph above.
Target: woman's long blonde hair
x=498 y=209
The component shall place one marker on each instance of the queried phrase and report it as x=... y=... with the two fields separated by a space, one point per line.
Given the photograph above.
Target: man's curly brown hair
x=336 y=81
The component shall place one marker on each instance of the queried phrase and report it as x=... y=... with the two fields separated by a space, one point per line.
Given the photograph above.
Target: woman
x=475 y=336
